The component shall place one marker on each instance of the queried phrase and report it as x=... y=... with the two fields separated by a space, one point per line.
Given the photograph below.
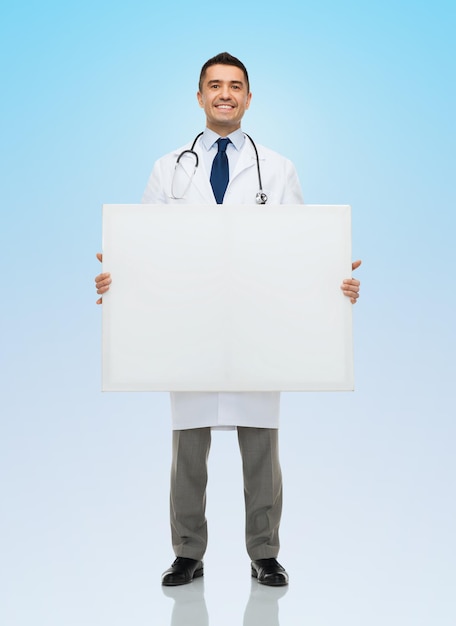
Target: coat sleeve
x=292 y=193
x=154 y=192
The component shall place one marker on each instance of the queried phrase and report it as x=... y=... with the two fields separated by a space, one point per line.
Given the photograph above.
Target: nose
x=225 y=95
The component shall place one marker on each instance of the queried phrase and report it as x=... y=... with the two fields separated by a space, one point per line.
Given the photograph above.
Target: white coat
x=281 y=184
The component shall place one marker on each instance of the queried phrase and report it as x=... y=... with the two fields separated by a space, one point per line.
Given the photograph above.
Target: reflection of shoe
x=194 y=593
x=263 y=606
x=269 y=572
x=182 y=571
x=263 y=594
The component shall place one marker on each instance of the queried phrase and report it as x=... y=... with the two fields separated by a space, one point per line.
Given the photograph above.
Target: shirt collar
x=210 y=137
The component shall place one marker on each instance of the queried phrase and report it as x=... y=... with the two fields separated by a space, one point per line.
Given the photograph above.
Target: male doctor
x=226 y=173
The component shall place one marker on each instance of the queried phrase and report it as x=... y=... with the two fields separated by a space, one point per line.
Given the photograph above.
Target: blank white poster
x=227 y=298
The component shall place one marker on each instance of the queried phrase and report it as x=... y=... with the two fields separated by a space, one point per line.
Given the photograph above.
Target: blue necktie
x=220 y=174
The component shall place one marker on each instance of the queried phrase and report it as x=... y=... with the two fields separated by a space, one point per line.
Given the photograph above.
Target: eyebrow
x=232 y=82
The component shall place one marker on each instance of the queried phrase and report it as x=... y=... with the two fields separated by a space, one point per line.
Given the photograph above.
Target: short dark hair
x=224 y=58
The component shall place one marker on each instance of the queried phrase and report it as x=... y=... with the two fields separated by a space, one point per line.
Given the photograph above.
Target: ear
x=249 y=97
x=200 y=99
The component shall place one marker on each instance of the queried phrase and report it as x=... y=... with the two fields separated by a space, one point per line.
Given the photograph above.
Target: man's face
x=225 y=97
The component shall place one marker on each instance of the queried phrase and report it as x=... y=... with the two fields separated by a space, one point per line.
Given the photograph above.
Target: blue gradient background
x=361 y=96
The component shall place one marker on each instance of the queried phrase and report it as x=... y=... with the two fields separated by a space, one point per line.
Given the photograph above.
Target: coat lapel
x=200 y=190
x=245 y=161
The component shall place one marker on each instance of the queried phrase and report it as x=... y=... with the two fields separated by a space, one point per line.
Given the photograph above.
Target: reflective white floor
x=190 y=606
x=366 y=542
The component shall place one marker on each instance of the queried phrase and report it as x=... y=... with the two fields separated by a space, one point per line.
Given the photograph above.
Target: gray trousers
x=262 y=491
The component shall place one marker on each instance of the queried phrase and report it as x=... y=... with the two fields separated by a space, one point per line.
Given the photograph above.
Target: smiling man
x=224 y=94
x=224 y=166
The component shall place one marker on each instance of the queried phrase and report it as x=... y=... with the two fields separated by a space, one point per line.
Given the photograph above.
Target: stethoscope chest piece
x=261 y=198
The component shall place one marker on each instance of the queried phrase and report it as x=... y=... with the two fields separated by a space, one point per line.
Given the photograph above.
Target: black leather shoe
x=182 y=571
x=269 y=572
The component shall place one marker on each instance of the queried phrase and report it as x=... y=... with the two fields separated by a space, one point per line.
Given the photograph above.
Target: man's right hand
x=102 y=281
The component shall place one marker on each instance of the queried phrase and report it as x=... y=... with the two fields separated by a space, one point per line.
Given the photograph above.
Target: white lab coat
x=281 y=184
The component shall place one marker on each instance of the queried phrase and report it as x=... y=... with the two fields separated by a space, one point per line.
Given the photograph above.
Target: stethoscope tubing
x=261 y=197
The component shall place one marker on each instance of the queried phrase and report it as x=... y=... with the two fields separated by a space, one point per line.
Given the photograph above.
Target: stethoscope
x=260 y=198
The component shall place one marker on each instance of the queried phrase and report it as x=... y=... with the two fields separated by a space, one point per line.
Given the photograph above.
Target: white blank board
x=227 y=298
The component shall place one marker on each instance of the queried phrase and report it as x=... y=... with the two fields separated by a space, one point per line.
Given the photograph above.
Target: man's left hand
x=350 y=286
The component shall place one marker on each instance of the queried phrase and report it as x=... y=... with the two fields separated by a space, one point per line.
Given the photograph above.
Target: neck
x=222 y=129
